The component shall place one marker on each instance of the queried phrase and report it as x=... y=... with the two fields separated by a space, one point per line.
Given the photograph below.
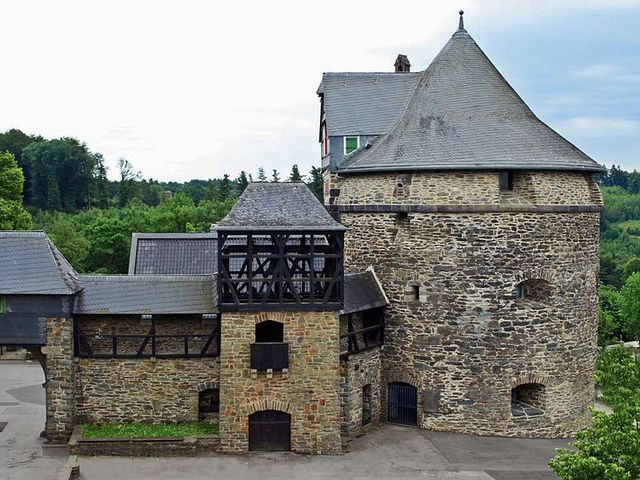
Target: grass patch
x=139 y=430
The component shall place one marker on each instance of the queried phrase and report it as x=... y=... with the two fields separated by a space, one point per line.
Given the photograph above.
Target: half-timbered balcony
x=269 y=355
x=279 y=249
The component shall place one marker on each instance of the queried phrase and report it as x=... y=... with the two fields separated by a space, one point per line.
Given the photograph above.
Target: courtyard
x=391 y=452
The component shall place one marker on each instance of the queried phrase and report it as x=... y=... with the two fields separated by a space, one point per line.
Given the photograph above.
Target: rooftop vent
x=402 y=64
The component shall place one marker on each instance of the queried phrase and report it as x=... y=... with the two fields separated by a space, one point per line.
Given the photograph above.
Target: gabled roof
x=365 y=103
x=464 y=115
x=362 y=291
x=31 y=265
x=278 y=206
x=146 y=294
x=173 y=254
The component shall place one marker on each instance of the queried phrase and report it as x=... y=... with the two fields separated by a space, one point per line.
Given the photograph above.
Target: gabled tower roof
x=463 y=114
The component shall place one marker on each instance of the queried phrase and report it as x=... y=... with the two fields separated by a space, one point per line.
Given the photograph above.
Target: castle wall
x=309 y=391
x=160 y=390
x=467 y=336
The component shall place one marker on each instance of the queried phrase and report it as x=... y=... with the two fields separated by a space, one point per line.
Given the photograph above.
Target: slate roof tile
x=362 y=291
x=173 y=254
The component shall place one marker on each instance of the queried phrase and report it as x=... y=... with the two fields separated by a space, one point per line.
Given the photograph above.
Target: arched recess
x=269 y=331
x=268 y=404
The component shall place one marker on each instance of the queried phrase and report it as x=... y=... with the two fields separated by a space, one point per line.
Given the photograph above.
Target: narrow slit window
x=366 y=404
x=3 y=305
x=415 y=292
x=351 y=144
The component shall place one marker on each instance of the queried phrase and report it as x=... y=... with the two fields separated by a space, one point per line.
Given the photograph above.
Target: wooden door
x=270 y=430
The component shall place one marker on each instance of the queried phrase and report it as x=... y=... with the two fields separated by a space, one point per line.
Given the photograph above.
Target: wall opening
x=366 y=404
x=528 y=400
x=269 y=332
x=208 y=403
x=507 y=180
x=533 y=289
x=270 y=430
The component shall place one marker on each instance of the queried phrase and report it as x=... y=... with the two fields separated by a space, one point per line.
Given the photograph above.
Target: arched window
x=534 y=289
x=528 y=400
x=269 y=332
x=208 y=402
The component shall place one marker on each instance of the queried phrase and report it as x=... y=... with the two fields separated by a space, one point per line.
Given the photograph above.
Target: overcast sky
x=194 y=89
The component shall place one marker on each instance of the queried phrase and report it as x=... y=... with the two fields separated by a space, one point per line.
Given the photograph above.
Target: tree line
x=64 y=175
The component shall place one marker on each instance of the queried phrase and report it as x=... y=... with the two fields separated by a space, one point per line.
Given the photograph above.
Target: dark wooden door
x=403 y=404
x=270 y=430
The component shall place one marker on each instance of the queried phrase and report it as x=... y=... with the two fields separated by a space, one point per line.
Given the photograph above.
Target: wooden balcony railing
x=269 y=355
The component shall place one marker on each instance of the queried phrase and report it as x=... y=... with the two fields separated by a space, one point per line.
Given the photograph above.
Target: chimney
x=402 y=64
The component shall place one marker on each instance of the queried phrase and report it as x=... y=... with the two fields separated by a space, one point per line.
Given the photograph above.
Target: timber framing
x=285 y=271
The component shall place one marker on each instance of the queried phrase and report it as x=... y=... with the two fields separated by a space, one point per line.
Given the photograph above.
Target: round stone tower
x=483 y=226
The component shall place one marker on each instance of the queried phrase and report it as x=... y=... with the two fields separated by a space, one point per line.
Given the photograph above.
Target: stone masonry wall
x=309 y=392
x=59 y=372
x=358 y=370
x=142 y=390
x=468 y=337
x=463 y=188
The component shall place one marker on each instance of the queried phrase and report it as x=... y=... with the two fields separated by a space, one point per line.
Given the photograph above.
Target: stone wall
x=309 y=392
x=358 y=370
x=468 y=337
x=59 y=373
x=142 y=390
x=458 y=188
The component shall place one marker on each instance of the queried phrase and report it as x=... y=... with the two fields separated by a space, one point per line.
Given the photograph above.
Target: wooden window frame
x=344 y=143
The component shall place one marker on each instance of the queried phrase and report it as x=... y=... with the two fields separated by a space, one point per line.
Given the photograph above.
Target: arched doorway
x=402 y=399
x=270 y=430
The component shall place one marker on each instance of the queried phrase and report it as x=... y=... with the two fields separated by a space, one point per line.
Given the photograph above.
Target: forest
x=61 y=187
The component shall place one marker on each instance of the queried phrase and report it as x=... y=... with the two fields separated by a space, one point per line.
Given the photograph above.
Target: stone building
x=482 y=224
x=448 y=283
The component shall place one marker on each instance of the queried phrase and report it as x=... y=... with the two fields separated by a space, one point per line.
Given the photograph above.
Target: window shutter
x=351 y=144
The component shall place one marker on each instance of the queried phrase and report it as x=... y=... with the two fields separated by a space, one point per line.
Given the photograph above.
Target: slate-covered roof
x=173 y=254
x=146 y=294
x=362 y=291
x=464 y=115
x=278 y=206
x=31 y=264
x=365 y=103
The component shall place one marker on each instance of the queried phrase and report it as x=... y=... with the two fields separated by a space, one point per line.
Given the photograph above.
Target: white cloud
x=599 y=126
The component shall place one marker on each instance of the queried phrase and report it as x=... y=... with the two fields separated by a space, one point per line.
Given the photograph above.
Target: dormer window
x=351 y=144
x=507 y=180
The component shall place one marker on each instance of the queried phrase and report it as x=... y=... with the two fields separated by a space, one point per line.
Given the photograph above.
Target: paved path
x=22 y=454
x=391 y=452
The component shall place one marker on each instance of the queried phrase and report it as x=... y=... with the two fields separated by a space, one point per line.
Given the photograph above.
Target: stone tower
x=483 y=227
x=280 y=287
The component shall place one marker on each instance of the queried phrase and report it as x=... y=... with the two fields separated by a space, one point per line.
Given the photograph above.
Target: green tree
x=316 y=183
x=630 y=293
x=13 y=216
x=15 y=141
x=275 y=176
x=65 y=166
x=610 y=448
x=211 y=193
x=295 y=176
x=610 y=329
x=242 y=181
x=261 y=175
x=127 y=186
x=73 y=245
x=224 y=190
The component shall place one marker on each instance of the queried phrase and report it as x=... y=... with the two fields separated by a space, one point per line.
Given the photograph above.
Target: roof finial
x=461 y=23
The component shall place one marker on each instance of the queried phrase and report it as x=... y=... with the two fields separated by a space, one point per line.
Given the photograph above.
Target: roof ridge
x=67 y=273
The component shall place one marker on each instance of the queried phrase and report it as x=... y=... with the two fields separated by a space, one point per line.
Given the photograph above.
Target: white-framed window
x=351 y=143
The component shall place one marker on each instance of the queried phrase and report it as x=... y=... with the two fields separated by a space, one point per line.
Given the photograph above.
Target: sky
x=196 y=89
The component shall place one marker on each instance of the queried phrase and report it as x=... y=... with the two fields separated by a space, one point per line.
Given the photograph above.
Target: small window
x=534 y=289
x=269 y=332
x=208 y=402
x=351 y=144
x=527 y=400
x=366 y=404
x=507 y=180
x=3 y=305
x=415 y=292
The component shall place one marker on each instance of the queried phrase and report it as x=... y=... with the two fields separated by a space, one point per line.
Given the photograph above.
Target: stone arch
x=529 y=378
x=401 y=376
x=268 y=404
x=208 y=385
x=534 y=274
x=273 y=316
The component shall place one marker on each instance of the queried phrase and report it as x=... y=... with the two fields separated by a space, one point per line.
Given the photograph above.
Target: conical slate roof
x=463 y=114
